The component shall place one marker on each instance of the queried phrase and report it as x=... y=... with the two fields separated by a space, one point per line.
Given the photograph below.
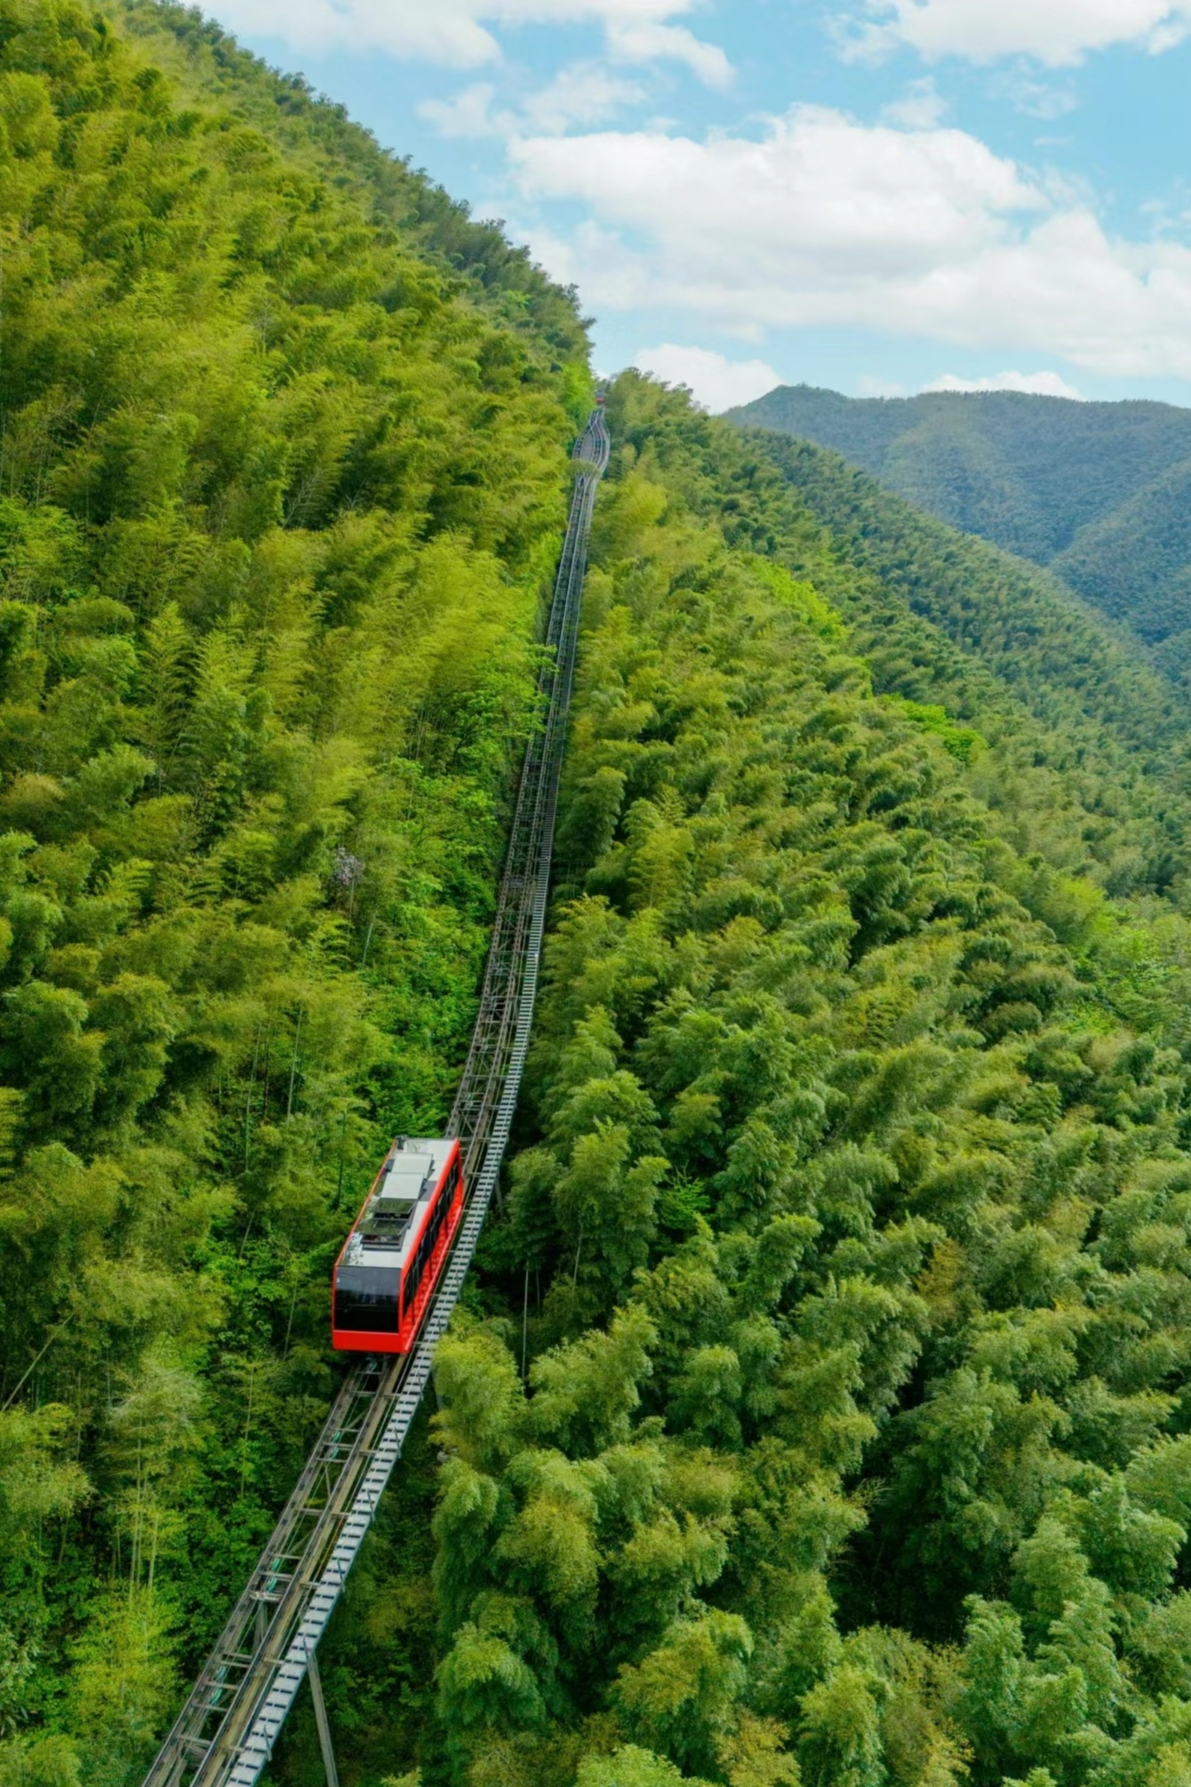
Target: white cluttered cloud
x=1058 y=33
x=1034 y=384
x=824 y=220
x=460 y=33
x=714 y=379
x=584 y=94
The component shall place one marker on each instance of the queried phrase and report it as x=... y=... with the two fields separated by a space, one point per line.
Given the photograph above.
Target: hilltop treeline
x=1084 y=730
x=282 y=479
x=1096 y=491
x=206 y=65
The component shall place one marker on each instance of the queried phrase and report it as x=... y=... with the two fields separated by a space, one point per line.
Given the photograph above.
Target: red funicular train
x=393 y=1257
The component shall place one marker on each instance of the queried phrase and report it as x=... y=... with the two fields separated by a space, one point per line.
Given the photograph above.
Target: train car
x=393 y=1258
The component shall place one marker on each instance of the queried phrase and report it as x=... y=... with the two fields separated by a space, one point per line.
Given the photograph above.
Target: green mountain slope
x=819 y=1411
x=1087 y=738
x=1092 y=489
x=823 y=1417
x=282 y=479
x=208 y=67
x=1133 y=563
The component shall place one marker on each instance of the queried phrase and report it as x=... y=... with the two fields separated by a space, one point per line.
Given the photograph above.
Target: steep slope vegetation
x=280 y=489
x=823 y=1413
x=821 y=1410
x=1073 y=707
x=1133 y=563
x=1095 y=490
x=207 y=66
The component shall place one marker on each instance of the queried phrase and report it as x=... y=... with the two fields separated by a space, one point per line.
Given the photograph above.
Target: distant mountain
x=1098 y=491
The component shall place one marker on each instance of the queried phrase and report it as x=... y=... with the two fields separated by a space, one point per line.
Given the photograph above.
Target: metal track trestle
x=226 y=1731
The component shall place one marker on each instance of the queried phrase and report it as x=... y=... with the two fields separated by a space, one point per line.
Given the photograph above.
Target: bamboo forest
x=818 y=1409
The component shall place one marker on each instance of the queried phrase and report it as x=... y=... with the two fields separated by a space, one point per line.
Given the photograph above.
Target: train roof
x=383 y=1230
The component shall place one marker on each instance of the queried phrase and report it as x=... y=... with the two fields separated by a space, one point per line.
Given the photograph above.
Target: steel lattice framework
x=226 y=1731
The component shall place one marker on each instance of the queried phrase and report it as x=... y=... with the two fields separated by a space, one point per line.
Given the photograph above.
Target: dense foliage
x=280 y=490
x=207 y=65
x=820 y=1409
x=1072 y=708
x=830 y=1419
x=1097 y=491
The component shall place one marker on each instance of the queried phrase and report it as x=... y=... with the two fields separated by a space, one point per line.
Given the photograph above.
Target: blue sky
x=881 y=196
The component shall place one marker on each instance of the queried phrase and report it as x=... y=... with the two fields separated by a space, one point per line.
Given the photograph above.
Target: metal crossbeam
x=226 y=1731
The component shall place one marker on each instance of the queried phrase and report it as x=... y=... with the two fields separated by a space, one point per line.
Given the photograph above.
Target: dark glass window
x=426 y=1246
x=366 y=1299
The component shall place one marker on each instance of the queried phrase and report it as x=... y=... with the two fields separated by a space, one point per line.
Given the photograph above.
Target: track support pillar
x=321 y=1720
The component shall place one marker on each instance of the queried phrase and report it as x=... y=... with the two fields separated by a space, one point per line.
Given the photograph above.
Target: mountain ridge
x=1071 y=485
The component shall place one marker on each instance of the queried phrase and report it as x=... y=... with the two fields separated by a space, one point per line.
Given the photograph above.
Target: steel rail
x=226 y=1731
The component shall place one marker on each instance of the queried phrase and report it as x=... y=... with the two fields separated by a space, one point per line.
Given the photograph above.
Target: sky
x=878 y=196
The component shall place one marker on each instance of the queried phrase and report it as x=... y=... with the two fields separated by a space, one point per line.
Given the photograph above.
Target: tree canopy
x=824 y=1415
x=282 y=474
x=1096 y=491
x=819 y=1410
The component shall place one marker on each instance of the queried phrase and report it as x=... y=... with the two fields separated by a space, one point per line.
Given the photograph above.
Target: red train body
x=391 y=1261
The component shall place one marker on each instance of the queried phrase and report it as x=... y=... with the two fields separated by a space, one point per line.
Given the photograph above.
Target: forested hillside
x=820 y=1411
x=1097 y=491
x=282 y=478
x=205 y=64
x=1071 y=705
x=829 y=1417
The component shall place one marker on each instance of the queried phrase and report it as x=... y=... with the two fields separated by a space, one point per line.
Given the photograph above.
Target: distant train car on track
x=392 y=1259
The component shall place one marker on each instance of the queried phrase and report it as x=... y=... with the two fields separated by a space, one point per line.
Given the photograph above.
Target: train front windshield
x=366 y=1299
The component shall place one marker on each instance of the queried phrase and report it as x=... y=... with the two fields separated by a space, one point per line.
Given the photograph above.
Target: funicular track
x=226 y=1731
